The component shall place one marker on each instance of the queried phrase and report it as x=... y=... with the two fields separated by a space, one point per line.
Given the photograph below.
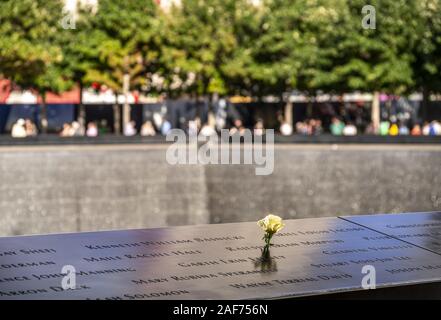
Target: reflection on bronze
x=265 y=262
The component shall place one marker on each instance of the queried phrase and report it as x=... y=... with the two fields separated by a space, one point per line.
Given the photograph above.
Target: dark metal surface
x=309 y=257
x=421 y=229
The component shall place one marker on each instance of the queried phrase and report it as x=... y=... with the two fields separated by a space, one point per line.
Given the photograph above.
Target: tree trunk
x=288 y=111
x=116 y=117
x=81 y=110
x=309 y=107
x=126 y=106
x=195 y=98
x=43 y=114
x=425 y=104
x=375 y=112
x=214 y=100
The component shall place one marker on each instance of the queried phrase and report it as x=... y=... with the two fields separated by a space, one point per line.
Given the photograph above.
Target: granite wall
x=84 y=188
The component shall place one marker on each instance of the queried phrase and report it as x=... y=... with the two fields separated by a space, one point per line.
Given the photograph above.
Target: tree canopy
x=256 y=48
x=30 y=51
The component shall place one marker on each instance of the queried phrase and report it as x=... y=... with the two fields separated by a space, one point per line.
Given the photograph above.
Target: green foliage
x=321 y=45
x=225 y=46
x=30 y=53
x=199 y=41
x=427 y=50
x=377 y=59
x=121 y=38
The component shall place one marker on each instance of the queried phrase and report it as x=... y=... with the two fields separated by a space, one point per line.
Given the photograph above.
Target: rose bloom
x=271 y=223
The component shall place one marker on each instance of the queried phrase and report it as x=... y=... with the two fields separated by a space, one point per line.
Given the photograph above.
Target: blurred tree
x=427 y=51
x=239 y=69
x=371 y=59
x=283 y=45
x=199 y=41
x=375 y=60
x=30 y=54
x=79 y=54
x=257 y=48
x=321 y=46
x=121 y=47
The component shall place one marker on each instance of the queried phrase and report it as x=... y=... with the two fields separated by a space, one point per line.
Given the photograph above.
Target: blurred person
x=310 y=126
x=432 y=129
x=221 y=114
x=403 y=130
x=394 y=130
x=18 y=129
x=301 y=128
x=384 y=128
x=76 y=130
x=370 y=129
x=286 y=129
x=337 y=126
x=198 y=123
x=426 y=128
x=207 y=130
x=66 y=131
x=318 y=128
x=157 y=120
x=193 y=128
x=92 y=129
x=350 y=130
x=103 y=127
x=130 y=129
x=259 y=128
x=31 y=128
x=147 y=129
x=238 y=127
x=435 y=128
x=416 y=130
x=166 y=127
